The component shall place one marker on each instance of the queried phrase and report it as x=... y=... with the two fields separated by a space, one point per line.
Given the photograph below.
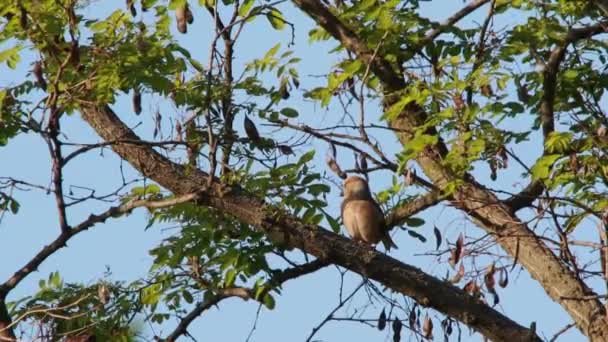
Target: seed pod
x=397 y=329
x=458 y=276
x=137 y=101
x=486 y=90
x=181 y=19
x=103 y=293
x=363 y=162
x=251 y=130
x=427 y=328
x=410 y=176
x=285 y=149
x=283 y=92
x=601 y=131
x=39 y=75
x=458 y=101
x=23 y=18
x=503 y=281
x=131 y=7
x=189 y=16
x=522 y=91
x=178 y=131
x=382 y=320
x=334 y=167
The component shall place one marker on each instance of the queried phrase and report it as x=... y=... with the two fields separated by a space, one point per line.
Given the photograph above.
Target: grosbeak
x=362 y=216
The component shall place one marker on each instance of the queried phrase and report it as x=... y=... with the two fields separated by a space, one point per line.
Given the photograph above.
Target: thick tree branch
x=323 y=244
x=550 y=72
x=482 y=205
x=402 y=212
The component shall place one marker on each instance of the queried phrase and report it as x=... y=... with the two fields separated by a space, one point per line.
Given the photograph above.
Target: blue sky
x=122 y=244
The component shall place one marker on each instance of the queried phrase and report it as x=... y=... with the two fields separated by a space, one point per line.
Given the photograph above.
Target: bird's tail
x=388 y=242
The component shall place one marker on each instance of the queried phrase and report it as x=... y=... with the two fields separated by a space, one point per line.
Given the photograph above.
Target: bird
x=362 y=216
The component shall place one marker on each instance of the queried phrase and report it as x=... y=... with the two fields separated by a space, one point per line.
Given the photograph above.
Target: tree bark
x=494 y=216
x=321 y=243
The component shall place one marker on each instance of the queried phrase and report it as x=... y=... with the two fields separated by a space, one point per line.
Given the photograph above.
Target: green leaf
x=416 y=235
x=289 y=112
x=269 y=301
x=275 y=17
x=306 y=157
x=11 y=56
x=245 y=7
x=542 y=168
x=230 y=277
x=187 y=297
x=414 y=222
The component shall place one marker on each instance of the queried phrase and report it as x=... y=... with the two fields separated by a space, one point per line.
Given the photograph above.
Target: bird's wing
x=349 y=217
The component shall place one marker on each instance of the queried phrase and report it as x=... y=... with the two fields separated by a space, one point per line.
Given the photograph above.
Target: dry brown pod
x=251 y=130
x=189 y=16
x=137 y=102
x=181 y=18
x=23 y=18
x=427 y=328
x=103 y=293
x=39 y=75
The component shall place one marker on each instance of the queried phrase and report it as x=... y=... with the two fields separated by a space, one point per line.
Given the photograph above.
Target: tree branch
x=551 y=69
x=482 y=205
x=323 y=244
x=402 y=212
x=279 y=278
x=448 y=23
x=63 y=238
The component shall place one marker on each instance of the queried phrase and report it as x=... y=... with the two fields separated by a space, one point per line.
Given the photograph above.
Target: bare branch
x=408 y=209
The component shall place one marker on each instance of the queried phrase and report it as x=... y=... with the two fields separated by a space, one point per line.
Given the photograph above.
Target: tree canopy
x=234 y=123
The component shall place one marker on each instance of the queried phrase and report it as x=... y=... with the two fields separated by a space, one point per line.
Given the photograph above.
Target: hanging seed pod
x=486 y=90
x=437 y=237
x=522 y=91
x=335 y=168
x=131 y=7
x=397 y=329
x=189 y=16
x=458 y=276
x=457 y=251
x=157 y=123
x=382 y=320
x=283 y=92
x=286 y=150
x=251 y=130
x=103 y=293
x=410 y=176
x=350 y=85
x=573 y=162
x=427 y=328
x=503 y=281
x=23 y=18
x=363 y=162
x=458 y=101
x=178 y=131
x=137 y=101
x=601 y=131
x=40 y=81
x=503 y=157
x=181 y=19
x=493 y=168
